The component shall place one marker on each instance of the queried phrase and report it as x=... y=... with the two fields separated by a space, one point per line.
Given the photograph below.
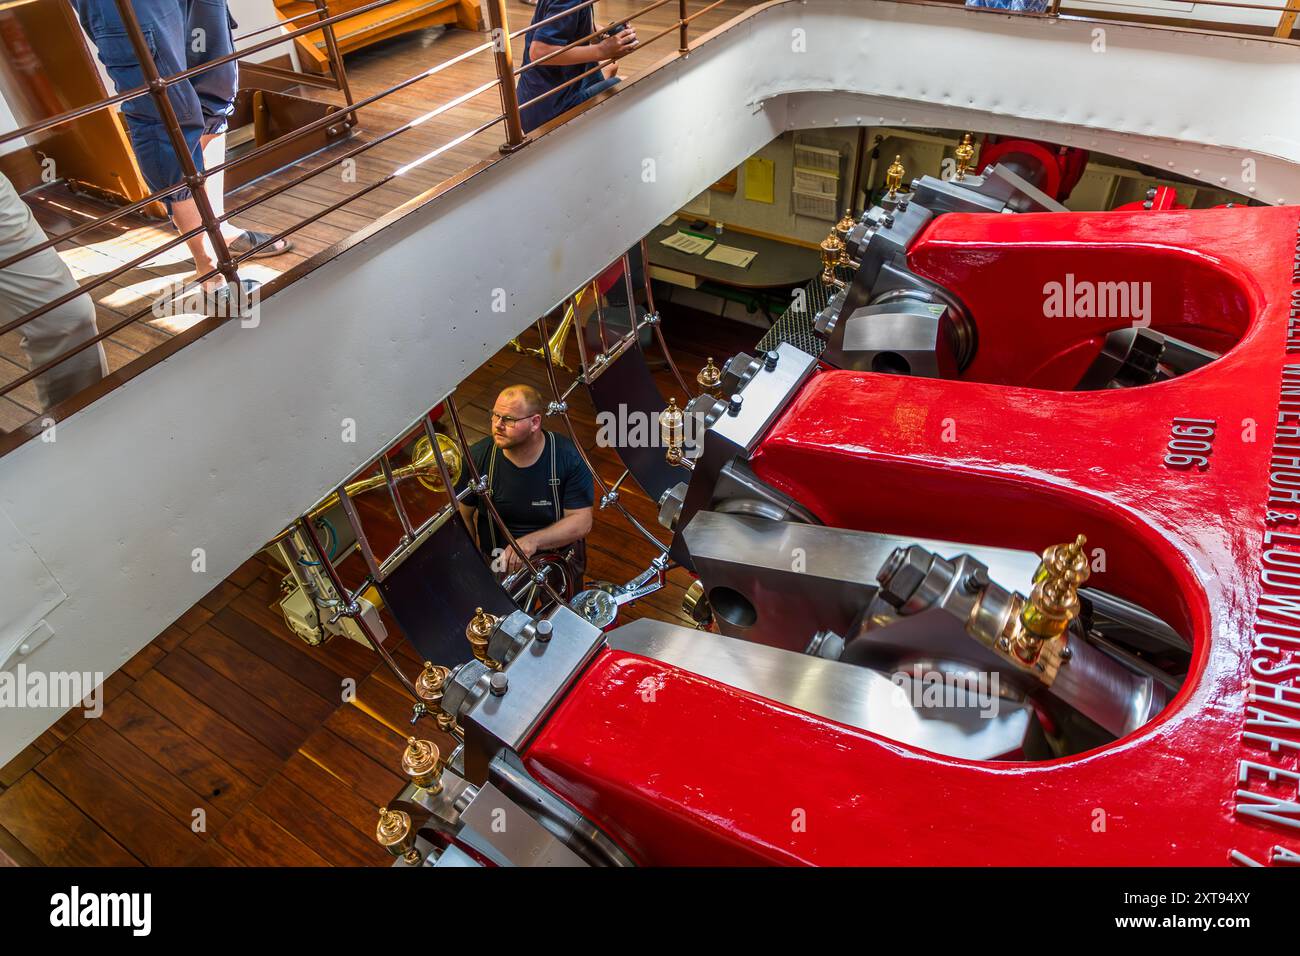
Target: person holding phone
x=610 y=44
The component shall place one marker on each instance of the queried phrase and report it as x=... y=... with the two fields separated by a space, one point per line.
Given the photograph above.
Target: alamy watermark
x=1084 y=299
x=633 y=428
x=61 y=689
x=75 y=908
x=231 y=301
x=946 y=689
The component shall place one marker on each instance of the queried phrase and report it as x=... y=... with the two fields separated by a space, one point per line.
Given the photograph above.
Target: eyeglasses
x=508 y=420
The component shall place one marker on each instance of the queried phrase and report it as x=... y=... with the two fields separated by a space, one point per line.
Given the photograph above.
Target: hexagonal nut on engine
x=824 y=322
x=463 y=690
x=509 y=637
x=902 y=573
x=670 y=505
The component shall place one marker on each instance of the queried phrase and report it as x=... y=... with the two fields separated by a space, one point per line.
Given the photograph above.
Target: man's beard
x=504 y=441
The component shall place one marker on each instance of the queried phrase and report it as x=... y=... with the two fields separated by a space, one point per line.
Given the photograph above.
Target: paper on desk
x=730 y=255
x=691 y=245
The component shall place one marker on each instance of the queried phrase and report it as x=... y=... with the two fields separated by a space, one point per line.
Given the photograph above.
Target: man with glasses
x=540 y=486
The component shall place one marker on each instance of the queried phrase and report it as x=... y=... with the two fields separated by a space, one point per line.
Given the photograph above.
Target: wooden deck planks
x=382 y=66
x=229 y=712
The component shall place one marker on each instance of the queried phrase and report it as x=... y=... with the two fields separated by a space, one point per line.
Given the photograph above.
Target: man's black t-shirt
x=523 y=495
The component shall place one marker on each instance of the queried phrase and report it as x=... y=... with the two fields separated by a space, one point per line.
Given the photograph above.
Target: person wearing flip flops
x=181 y=34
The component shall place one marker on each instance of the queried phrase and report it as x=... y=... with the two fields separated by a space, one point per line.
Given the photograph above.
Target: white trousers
x=29 y=284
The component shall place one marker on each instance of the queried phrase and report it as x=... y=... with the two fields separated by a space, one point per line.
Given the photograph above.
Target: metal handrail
x=275 y=26
x=301 y=131
x=589 y=371
x=581 y=40
x=129 y=19
x=321 y=20
x=156 y=86
x=554 y=17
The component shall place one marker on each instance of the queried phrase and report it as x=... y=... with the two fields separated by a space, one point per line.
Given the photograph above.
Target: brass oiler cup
x=422 y=763
x=395 y=834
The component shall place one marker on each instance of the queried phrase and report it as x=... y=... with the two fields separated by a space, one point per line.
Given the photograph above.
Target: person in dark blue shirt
x=565 y=66
x=540 y=485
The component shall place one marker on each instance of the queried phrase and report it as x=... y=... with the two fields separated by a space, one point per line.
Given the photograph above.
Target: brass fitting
x=832 y=249
x=845 y=225
x=696 y=604
x=429 y=685
x=422 y=763
x=965 y=154
x=1047 y=614
x=672 y=431
x=395 y=835
x=1066 y=561
x=894 y=176
x=478 y=632
x=1054 y=603
x=710 y=378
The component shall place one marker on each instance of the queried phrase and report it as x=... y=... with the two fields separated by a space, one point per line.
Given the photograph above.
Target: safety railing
x=225 y=262
x=225 y=268
x=457 y=477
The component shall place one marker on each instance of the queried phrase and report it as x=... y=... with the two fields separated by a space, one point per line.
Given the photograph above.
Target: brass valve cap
x=965 y=154
x=710 y=377
x=1051 y=607
x=478 y=632
x=894 y=175
x=422 y=763
x=394 y=831
x=832 y=252
x=429 y=685
x=1065 y=561
x=845 y=225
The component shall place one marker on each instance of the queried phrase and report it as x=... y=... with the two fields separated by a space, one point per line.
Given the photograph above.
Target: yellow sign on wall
x=760 y=179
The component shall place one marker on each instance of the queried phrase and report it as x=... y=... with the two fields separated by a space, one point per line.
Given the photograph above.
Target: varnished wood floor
x=369 y=71
x=229 y=718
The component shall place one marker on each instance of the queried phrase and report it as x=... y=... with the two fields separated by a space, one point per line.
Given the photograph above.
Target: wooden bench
x=401 y=16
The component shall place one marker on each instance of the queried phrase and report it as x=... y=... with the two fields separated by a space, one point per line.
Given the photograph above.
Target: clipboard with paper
x=731 y=256
x=688 y=243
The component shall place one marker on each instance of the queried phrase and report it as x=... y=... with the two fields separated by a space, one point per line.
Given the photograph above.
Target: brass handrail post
x=683 y=28
x=336 y=58
x=1054 y=8
x=193 y=178
x=505 y=64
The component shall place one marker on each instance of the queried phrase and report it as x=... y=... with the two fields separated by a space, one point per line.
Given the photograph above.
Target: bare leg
x=214 y=154
x=185 y=216
x=185 y=212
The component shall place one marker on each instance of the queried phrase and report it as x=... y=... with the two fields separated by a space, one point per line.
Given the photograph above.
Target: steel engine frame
x=683 y=769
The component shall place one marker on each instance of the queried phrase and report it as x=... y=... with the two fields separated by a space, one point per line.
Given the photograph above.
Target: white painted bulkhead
x=222 y=444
